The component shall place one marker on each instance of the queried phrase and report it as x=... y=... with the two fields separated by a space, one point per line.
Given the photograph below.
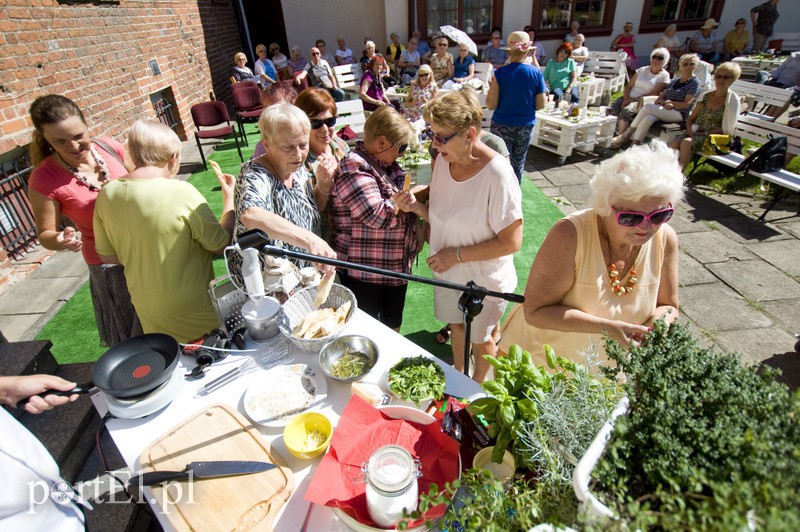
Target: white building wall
x=308 y=20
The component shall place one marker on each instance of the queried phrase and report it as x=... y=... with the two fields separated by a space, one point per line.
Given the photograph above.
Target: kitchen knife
x=202 y=470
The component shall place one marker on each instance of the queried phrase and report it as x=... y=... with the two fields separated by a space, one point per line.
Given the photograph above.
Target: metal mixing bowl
x=352 y=343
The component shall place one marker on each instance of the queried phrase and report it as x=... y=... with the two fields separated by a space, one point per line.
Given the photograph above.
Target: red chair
x=248 y=106
x=213 y=115
x=241 y=84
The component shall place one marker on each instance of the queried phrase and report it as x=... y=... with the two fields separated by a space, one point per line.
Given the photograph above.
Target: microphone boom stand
x=470 y=303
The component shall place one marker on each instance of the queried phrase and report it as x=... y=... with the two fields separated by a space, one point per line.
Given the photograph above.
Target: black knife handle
x=157 y=477
x=81 y=388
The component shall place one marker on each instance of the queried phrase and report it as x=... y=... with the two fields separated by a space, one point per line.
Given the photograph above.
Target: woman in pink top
x=69 y=170
x=611 y=269
x=625 y=41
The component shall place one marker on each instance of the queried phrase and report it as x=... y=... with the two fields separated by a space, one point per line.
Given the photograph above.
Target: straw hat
x=516 y=37
x=710 y=24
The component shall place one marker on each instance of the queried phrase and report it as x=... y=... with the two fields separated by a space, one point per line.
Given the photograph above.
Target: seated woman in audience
x=241 y=72
x=69 y=169
x=421 y=91
x=672 y=45
x=325 y=149
x=264 y=68
x=579 y=53
x=611 y=269
x=475 y=216
x=673 y=104
x=394 y=50
x=441 y=61
x=344 y=55
x=463 y=70
x=164 y=233
x=648 y=80
x=560 y=77
x=735 y=41
x=297 y=62
x=495 y=53
x=274 y=193
x=369 y=53
x=715 y=113
x=320 y=75
x=280 y=61
x=409 y=62
x=538 y=56
x=372 y=90
x=366 y=226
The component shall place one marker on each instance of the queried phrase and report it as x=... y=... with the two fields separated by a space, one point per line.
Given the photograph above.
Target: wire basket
x=301 y=304
x=227 y=301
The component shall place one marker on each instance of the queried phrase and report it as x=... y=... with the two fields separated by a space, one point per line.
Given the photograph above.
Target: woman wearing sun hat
x=515 y=93
x=705 y=42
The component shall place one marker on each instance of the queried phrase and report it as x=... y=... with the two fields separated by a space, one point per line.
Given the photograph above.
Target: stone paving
x=739 y=278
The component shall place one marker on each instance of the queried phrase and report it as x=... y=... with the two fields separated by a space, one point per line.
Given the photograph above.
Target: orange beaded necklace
x=616 y=284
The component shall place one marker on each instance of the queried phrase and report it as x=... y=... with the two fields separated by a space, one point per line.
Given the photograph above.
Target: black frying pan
x=131 y=368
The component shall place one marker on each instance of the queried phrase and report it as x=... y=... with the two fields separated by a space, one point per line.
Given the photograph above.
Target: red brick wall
x=98 y=54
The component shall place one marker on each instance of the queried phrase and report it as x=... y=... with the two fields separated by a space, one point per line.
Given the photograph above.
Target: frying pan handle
x=81 y=388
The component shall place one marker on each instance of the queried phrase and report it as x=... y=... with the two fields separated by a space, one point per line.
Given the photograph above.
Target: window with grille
x=475 y=17
x=551 y=18
x=685 y=14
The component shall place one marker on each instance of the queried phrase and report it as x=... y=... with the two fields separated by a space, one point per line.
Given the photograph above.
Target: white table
x=133 y=436
x=561 y=135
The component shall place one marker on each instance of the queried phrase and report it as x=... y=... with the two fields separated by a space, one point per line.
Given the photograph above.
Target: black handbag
x=768 y=158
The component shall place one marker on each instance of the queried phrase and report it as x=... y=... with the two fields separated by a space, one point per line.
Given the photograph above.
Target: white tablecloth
x=132 y=436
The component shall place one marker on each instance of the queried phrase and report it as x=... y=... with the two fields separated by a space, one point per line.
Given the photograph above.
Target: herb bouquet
x=707 y=444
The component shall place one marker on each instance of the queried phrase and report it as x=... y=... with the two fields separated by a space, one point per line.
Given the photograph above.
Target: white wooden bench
x=351 y=113
x=484 y=72
x=791 y=41
x=348 y=77
x=764 y=95
x=610 y=66
x=757 y=130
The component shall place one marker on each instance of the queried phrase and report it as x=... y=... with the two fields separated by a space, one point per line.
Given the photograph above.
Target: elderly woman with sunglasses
x=611 y=269
x=366 y=226
x=325 y=149
x=422 y=90
x=673 y=104
x=715 y=113
x=475 y=217
x=648 y=80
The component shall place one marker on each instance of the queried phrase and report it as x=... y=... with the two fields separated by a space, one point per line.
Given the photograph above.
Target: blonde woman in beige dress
x=611 y=269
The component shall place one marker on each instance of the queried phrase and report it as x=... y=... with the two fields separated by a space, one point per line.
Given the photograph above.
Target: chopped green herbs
x=416 y=379
x=351 y=365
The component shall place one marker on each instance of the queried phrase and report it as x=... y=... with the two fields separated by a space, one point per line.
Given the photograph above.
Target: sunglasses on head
x=317 y=123
x=659 y=57
x=635 y=218
x=428 y=133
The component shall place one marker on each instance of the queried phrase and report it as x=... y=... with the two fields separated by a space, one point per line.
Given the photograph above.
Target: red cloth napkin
x=362 y=430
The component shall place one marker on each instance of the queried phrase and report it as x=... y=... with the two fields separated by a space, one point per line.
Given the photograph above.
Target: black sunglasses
x=659 y=57
x=317 y=123
x=402 y=148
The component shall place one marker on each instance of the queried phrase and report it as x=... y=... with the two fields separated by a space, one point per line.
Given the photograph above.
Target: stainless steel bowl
x=352 y=343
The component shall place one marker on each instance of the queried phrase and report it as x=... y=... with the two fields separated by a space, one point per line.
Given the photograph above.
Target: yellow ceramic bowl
x=297 y=439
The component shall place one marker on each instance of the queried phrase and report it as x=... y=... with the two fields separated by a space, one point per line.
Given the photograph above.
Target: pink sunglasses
x=635 y=218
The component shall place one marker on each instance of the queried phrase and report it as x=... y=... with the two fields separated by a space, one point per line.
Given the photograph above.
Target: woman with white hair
x=673 y=46
x=164 y=233
x=648 y=80
x=274 y=192
x=611 y=269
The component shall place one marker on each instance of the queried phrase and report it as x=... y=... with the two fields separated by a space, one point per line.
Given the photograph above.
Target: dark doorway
x=264 y=20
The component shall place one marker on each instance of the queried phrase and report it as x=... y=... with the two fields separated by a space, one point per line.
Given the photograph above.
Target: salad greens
x=416 y=379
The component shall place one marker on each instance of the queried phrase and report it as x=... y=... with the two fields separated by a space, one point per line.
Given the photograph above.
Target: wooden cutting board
x=243 y=502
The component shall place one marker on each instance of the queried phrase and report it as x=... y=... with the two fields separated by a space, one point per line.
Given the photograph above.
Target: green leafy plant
x=706 y=444
x=481 y=503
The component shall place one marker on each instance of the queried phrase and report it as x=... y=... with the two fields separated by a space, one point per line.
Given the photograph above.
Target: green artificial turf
x=419 y=324
x=74 y=334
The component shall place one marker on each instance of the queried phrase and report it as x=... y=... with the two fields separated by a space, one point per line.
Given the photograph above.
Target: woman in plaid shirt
x=367 y=229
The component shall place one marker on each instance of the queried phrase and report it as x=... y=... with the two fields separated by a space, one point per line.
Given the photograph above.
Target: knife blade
x=203 y=470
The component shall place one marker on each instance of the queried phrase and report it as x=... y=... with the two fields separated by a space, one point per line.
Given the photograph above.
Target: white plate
x=293 y=389
x=396 y=412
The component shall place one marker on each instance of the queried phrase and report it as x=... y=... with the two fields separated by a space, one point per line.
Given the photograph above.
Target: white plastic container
x=391 y=477
x=583 y=471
